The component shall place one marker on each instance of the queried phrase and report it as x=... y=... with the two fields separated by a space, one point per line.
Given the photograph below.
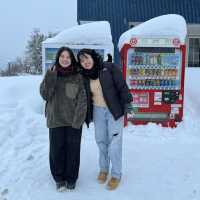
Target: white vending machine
x=95 y=35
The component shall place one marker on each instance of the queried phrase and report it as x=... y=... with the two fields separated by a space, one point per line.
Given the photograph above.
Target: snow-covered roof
x=94 y=33
x=165 y=25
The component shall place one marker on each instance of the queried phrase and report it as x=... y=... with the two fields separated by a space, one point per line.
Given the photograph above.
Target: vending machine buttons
x=170 y=97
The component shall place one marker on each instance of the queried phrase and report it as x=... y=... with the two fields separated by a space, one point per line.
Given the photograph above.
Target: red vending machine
x=154 y=71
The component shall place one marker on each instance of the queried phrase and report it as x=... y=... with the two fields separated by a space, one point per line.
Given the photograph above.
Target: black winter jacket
x=115 y=91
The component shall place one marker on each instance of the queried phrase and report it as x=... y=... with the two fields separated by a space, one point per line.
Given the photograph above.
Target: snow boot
x=60 y=186
x=113 y=183
x=71 y=186
x=102 y=177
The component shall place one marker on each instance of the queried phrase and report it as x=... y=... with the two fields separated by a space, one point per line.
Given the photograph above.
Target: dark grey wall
x=120 y=12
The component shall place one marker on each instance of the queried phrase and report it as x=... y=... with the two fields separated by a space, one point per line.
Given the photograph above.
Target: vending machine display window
x=154 y=68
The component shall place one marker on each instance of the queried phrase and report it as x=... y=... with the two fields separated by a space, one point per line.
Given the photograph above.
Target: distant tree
x=9 y=70
x=13 y=68
x=27 y=65
x=34 y=51
x=32 y=61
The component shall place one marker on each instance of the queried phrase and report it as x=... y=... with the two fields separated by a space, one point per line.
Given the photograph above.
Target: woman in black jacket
x=108 y=99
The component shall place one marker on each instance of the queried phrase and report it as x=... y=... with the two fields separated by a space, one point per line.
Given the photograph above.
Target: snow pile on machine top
x=95 y=33
x=165 y=25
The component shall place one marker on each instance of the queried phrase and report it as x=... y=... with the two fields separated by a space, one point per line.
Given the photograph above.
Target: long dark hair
x=92 y=73
x=95 y=56
x=71 y=54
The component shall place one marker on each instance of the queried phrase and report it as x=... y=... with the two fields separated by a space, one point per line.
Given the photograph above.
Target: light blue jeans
x=108 y=135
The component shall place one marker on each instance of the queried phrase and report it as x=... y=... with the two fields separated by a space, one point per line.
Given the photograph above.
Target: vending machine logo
x=133 y=41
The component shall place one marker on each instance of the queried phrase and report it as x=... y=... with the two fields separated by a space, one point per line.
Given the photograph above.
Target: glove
x=128 y=109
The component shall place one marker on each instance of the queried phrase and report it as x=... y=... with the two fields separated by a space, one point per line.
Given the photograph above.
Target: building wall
x=121 y=13
x=193 y=45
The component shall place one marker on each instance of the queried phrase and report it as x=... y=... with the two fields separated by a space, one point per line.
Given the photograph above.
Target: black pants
x=64 y=154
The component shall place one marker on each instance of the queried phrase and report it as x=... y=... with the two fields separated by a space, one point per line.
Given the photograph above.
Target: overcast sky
x=19 y=18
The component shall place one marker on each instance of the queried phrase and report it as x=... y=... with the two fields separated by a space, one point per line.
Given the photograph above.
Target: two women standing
x=97 y=93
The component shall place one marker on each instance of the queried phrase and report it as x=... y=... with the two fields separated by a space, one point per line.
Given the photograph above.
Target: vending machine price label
x=157 y=98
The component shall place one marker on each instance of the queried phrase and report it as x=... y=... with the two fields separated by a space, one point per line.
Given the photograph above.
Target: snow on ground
x=158 y=163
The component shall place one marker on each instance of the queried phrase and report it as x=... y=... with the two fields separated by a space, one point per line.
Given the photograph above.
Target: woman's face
x=86 y=61
x=64 y=59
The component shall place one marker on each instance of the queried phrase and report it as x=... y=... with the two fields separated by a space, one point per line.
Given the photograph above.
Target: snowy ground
x=158 y=163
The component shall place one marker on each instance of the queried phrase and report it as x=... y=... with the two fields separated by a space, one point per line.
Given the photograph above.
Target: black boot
x=71 y=186
x=60 y=186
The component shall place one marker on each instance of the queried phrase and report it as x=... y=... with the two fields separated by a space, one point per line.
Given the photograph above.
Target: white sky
x=19 y=18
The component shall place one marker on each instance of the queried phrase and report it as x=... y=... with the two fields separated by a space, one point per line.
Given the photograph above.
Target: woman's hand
x=53 y=68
